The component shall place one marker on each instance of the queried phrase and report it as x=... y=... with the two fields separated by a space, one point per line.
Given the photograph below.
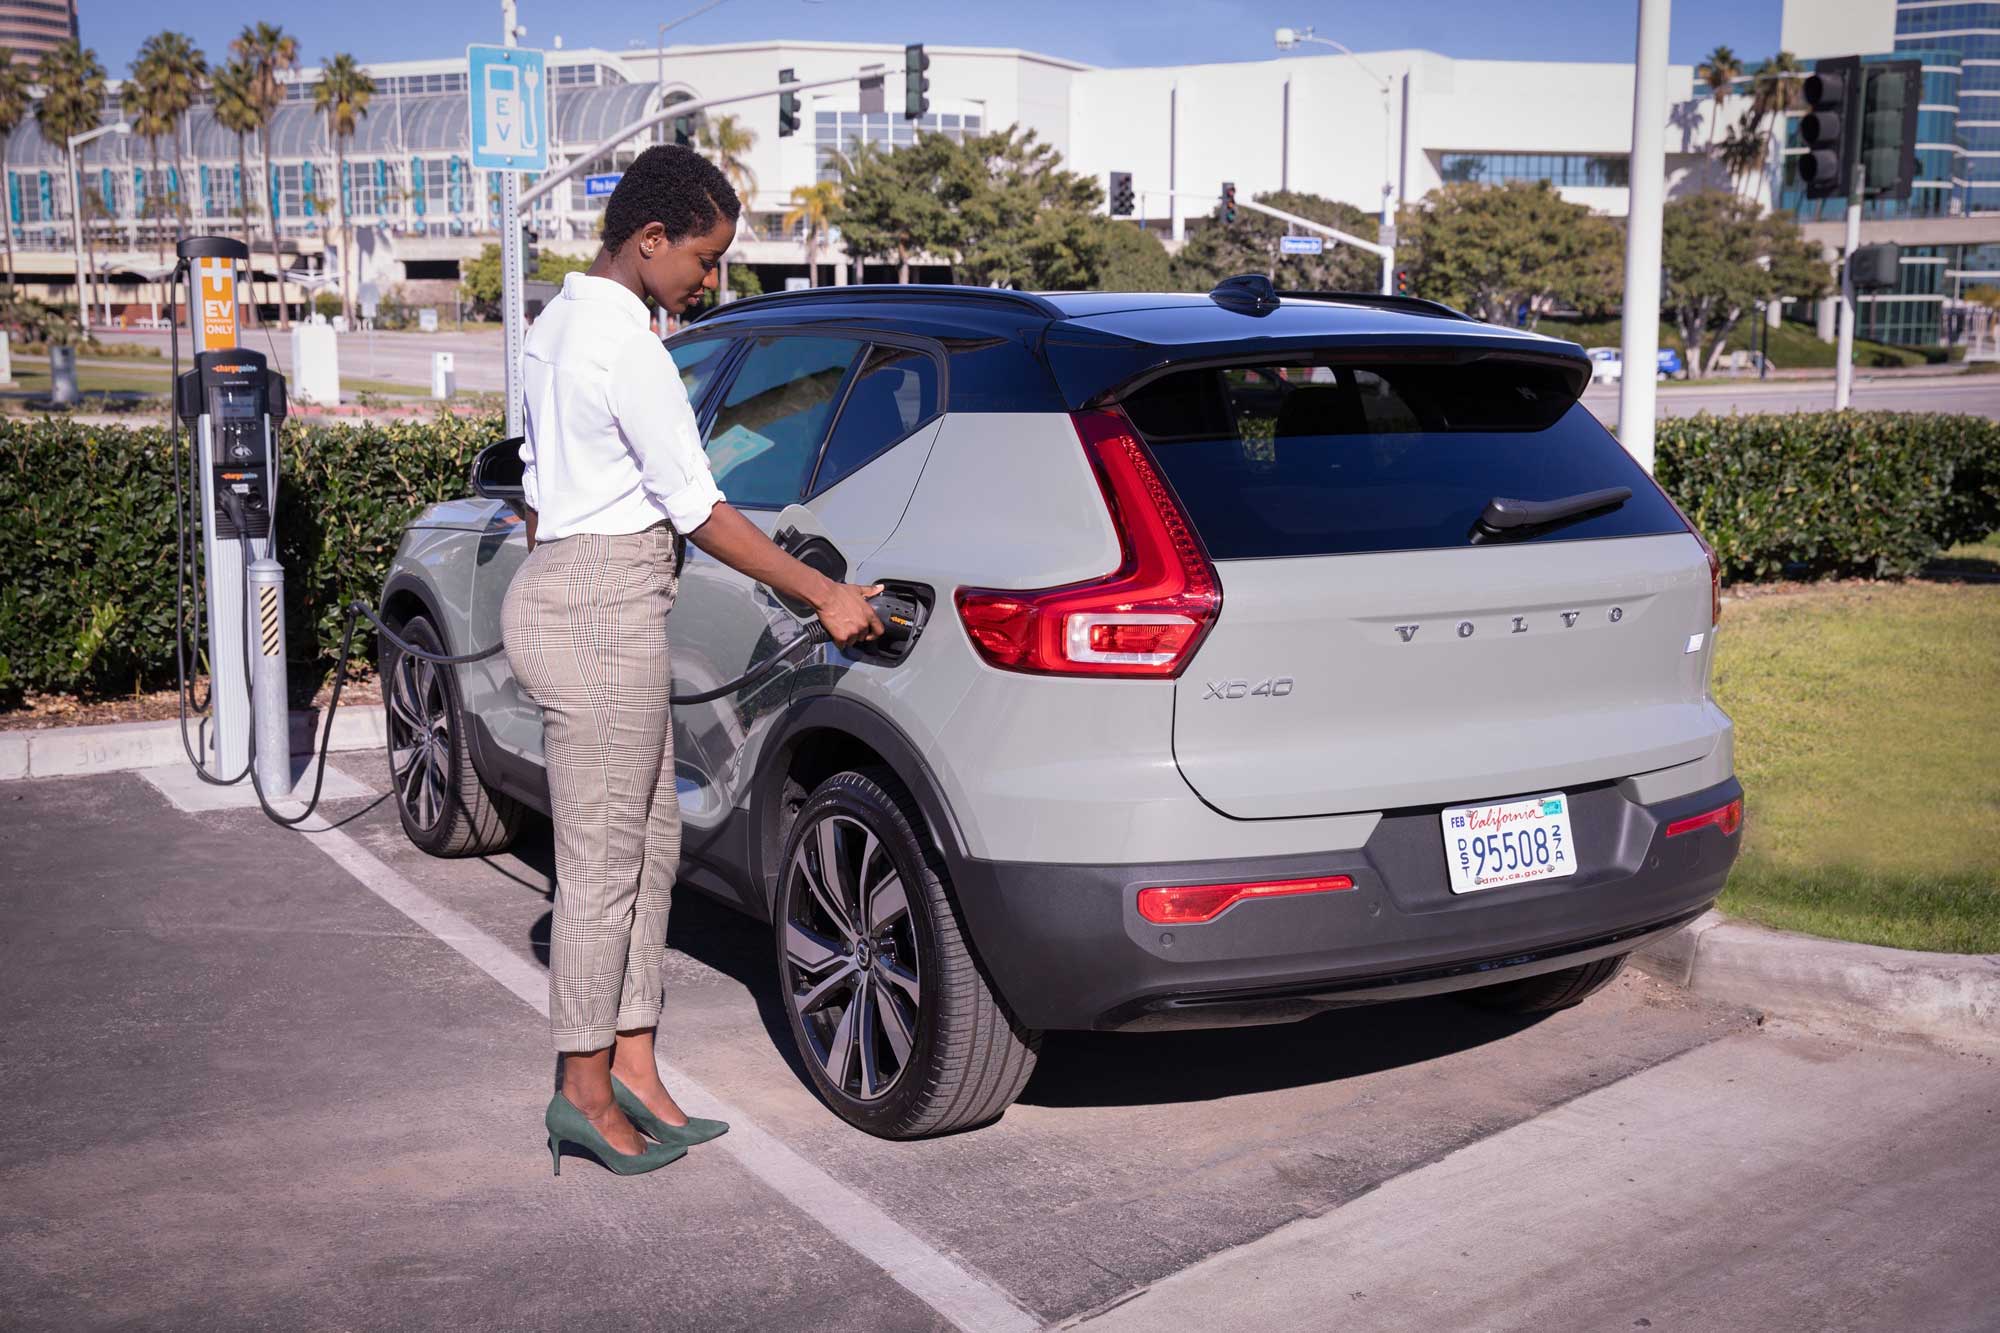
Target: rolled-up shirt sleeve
x=651 y=407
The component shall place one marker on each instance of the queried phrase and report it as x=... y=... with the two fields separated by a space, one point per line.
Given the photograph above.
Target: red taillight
x=1192 y=904
x=1728 y=818
x=1146 y=619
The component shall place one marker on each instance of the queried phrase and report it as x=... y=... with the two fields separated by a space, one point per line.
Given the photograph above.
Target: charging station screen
x=235 y=404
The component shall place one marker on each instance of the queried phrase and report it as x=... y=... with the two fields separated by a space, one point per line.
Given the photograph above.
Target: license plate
x=1512 y=842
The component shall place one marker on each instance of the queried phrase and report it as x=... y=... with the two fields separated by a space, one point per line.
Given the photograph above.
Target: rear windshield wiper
x=1506 y=519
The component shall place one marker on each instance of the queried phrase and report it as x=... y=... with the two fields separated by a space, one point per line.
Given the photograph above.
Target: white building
x=1319 y=123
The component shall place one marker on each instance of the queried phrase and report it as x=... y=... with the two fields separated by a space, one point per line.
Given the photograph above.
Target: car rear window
x=1303 y=457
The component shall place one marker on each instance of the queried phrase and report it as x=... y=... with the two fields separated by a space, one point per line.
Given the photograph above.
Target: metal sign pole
x=1843 y=365
x=513 y=314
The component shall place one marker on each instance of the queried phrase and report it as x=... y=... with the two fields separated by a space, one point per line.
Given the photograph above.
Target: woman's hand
x=845 y=612
x=737 y=542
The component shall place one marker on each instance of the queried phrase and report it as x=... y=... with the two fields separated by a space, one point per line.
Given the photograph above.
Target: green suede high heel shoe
x=568 y=1125
x=696 y=1130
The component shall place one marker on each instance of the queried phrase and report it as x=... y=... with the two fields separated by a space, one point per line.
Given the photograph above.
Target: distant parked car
x=1607 y=364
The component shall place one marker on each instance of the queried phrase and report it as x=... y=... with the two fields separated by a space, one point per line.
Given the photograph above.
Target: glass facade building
x=839 y=132
x=1958 y=169
x=1582 y=169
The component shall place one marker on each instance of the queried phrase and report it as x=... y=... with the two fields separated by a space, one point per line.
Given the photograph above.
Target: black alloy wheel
x=893 y=1019
x=445 y=808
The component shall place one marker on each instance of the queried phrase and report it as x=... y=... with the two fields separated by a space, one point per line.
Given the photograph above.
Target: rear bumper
x=1067 y=948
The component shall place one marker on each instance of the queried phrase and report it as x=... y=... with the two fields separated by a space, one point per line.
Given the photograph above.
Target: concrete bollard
x=444 y=375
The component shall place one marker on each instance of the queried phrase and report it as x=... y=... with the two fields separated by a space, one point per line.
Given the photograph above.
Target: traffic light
x=1889 y=127
x=531 y=254
x=1833 y=91
x=684 y=131
x=1228 y=201
x=788 y=107
x=1402 y=282
x=1121 y=194
x=915 y=86
x=1875 y=268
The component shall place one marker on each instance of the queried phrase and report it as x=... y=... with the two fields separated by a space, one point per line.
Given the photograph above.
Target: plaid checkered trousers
x=586 y=630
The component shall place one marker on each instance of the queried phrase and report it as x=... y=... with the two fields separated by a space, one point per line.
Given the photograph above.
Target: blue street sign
x=1301 y=245
x=510 y=108
x=596 y=187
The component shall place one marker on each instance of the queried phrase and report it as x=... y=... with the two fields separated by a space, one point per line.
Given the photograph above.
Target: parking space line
x=969 y=1301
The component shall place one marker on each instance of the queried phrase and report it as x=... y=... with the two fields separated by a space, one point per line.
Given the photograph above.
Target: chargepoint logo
x=215 y=303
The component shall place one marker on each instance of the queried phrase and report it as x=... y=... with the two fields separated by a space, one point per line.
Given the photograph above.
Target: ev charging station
x=232 y=404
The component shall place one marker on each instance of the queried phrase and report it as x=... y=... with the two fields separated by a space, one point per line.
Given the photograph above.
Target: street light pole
x=660 y=73
x=1646 y=188
x=83 y=293
x=1287 y=38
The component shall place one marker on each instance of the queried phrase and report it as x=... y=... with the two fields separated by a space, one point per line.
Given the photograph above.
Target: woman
x=615 y=470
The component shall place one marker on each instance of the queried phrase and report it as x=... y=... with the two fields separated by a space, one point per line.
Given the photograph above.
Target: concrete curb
x=59 y=752
x=1948 y=996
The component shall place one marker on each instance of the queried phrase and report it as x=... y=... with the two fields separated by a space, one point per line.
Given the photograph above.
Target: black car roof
x=1096 y=343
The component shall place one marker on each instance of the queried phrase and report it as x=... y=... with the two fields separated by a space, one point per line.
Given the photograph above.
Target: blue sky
x=1103 y=32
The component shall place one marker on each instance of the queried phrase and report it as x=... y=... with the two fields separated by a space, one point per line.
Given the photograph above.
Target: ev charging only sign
x=510 y=108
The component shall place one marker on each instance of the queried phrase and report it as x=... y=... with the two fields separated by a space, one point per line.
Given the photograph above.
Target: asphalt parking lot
x=259 y=1078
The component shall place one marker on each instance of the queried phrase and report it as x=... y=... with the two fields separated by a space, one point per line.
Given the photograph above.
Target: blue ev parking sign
x=510 y=108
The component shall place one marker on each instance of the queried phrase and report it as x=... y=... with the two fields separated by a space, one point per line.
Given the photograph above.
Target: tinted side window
x=698 y=362
x=895 y=392
x=763 y=442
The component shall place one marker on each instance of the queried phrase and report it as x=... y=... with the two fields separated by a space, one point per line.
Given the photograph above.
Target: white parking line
x=970 y=1302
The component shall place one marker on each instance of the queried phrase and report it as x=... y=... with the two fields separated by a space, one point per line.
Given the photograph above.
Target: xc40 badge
x=1276 y=687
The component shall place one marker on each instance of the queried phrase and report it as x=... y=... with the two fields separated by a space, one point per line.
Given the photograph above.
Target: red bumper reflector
x=1191 y=904
x=1729 y=818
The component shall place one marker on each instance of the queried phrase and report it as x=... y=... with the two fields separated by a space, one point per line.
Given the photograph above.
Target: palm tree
x=167 y=80
x=1744 y=151
x=342 y=97
x=236 y=111
x=1720 y=72
x=1774 y=93
x=13 y=109
x=268 y=52
x=726 y=141
x=72 y=83
x=813 y=205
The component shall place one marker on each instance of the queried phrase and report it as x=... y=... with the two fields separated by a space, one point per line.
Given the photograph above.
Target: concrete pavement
x=1976 y=395
x=1776 y=1180
x=247 y=1091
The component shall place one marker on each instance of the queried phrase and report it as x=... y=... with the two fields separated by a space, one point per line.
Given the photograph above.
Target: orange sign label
x=215 y=304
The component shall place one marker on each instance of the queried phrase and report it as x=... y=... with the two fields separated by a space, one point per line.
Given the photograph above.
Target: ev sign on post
x=510 y=122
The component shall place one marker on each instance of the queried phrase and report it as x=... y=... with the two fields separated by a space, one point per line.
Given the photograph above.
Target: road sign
x=510 y=108
x=1301 y=245
x=602 y=184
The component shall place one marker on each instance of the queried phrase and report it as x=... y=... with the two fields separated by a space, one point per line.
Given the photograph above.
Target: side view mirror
x=496 y=474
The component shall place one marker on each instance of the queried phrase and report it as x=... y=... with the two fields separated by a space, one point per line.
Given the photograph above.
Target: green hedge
x=87 y=541
x=87 y=524
x=1870 y=494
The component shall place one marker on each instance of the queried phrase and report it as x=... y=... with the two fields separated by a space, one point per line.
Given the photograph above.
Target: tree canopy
x=1490 y=250
x=1721 y=256
x=1251 y=244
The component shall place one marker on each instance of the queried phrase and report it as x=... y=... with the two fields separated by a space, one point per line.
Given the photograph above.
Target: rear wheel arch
x=827 y=734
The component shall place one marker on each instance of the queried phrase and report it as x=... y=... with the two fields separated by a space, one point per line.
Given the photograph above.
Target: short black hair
x=673 y=186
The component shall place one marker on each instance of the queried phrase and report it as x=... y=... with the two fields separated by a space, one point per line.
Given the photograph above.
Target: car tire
x=878 y=972
x=1551 y=990
x=446 y=809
